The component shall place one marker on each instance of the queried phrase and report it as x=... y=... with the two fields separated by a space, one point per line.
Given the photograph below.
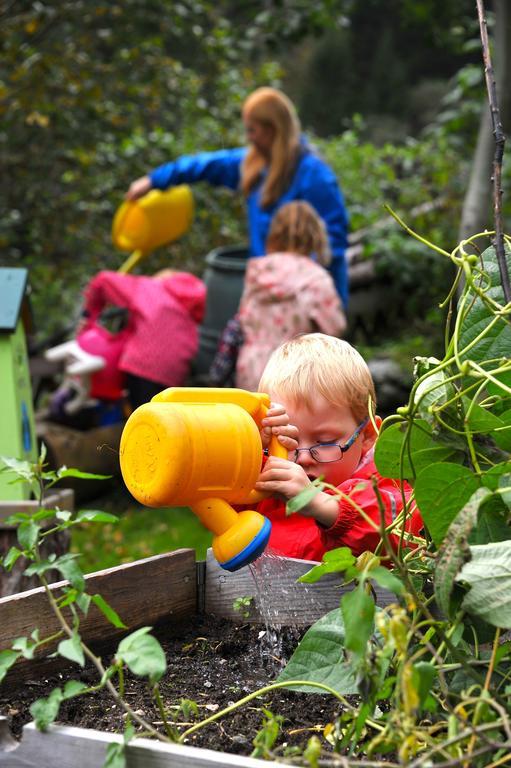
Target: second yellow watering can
x=202 y=448
x=155 y=219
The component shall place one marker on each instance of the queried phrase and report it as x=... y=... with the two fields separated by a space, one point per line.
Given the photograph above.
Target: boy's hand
x=285 y=479
x=276 y=422
x=282 y=477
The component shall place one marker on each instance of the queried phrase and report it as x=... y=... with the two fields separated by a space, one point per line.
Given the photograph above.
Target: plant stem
x=161 y=709
x=267 y=689
x=99 y=666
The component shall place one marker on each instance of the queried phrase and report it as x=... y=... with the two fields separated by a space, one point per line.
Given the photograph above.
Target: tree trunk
x=476 y=214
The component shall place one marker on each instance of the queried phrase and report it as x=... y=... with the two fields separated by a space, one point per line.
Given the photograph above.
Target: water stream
x=281 y=603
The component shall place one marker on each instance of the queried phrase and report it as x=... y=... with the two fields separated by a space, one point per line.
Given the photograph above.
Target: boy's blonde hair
x=297 y=228
x=316 y=364
x=273 y=108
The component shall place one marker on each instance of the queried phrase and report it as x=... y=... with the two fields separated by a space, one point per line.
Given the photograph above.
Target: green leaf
x=25 y=647
x=455 y=551
x=334 y=561
x=386 y=579
x=339 y=555
x=11 y=557
x=108 y=611
x=95 y=516
x=22 y=469
x=28 y=533
x=45 y=711
x=441 y=490
x=505 y=489
x=115 y=756
x=319 y=658
x=71 y=571
x=37 y=569
x=432 y=391
x=492 y=476
x=83 y=602
x=73 y=688
x=65 y=472
x=303 y=498
x=492 y=521
x=488 y=574
x=72 y=649
x=7 y=659
x=496 y=343
x=480 y=420
x=42 y=454
x=143 y=655
x=423 y=675
x=502 y=434
x=358 y=614
x=42 y=514
x=423 y=449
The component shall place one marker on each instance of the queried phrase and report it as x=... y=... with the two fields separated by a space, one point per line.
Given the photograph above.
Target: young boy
x=325 y=389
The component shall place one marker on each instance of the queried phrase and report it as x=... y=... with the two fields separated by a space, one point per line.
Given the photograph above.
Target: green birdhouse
x=17 y=431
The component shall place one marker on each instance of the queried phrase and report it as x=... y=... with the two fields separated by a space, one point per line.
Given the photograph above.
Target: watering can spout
x=202 y=448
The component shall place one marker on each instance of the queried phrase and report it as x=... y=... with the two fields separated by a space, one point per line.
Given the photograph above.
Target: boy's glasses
x=324 y=453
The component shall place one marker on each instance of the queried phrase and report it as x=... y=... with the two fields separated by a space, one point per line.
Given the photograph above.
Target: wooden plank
x=71 y=747
x=277 y=598
x=57 y=543
x=63 y=499
x=143 y=593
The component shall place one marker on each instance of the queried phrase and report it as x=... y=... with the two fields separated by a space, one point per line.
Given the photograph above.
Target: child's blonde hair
x=317 y=364
x=297 y=228
x=271 y=107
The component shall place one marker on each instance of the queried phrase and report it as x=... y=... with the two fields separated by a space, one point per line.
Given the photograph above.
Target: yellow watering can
x=157 y=218
x=197 y=447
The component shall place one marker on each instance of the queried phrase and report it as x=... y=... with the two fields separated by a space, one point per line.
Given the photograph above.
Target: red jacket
x=301 y=537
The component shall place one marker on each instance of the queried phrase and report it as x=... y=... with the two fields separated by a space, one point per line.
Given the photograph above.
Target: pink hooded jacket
x=162 y=335
x=285 y=294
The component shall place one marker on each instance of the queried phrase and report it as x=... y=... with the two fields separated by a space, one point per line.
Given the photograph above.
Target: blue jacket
x=313 y=181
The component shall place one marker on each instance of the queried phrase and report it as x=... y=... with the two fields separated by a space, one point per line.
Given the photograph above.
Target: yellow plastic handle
x=274 y=449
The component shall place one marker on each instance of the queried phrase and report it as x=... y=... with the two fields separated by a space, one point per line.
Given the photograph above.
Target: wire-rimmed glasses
x=324 y=453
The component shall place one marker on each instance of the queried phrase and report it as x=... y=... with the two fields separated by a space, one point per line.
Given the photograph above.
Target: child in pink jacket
x=287 y=292
x=162 y=338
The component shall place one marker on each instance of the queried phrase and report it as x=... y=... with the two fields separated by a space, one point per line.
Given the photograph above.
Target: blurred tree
x=375 y=59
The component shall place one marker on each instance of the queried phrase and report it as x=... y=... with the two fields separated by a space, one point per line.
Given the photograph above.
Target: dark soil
x=210 y=661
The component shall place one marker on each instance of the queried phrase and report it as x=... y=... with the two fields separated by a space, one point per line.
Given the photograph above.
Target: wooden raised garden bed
x=165 y=588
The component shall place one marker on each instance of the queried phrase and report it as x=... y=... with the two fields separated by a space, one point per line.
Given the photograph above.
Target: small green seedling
x=242 y=605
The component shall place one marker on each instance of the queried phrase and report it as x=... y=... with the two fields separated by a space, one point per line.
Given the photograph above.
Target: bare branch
x=500 y=141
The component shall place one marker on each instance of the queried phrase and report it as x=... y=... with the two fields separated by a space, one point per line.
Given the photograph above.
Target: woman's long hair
x=272 y=108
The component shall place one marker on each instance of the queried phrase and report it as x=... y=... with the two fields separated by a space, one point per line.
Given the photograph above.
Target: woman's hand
x=276 y=423
x=282 y=477
x=139 y=188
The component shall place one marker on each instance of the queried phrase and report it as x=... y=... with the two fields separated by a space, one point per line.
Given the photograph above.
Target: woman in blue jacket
x=277 y=167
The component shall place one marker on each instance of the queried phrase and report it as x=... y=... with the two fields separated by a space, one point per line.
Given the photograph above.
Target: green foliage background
x=93 y=94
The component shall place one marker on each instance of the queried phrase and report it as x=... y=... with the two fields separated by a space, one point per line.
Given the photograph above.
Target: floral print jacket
x=285 y=294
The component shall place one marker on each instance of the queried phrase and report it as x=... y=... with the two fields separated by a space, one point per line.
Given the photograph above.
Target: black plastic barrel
x=224 y=275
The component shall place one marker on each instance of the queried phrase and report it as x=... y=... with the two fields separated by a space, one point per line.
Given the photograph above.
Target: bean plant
x=433 y=668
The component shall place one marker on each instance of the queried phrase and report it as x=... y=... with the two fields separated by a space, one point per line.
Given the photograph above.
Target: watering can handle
x=274 y=449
